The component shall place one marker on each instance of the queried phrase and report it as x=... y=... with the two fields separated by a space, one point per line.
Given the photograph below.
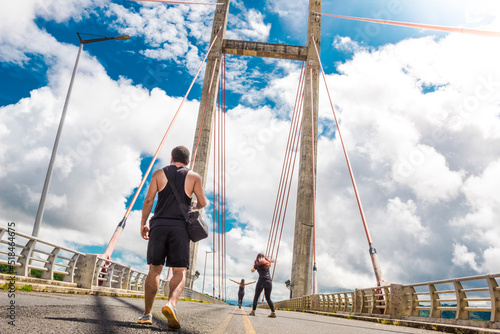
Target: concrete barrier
x=81 y=273
x=452 y=302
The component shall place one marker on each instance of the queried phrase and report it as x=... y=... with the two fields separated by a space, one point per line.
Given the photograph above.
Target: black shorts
x=169 y=245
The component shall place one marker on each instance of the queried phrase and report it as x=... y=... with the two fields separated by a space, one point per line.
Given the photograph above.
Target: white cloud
x=462 y=257
x=346 y=44
x=402 y=217
x=21 y=38
x=293 y=14
x=179 y=33
x=428 y=175
x=250 y=27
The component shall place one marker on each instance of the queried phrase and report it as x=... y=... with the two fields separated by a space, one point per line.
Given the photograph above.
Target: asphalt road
x=42 y=313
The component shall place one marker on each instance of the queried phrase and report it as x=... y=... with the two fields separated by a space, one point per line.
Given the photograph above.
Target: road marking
x=248 y=325
x=222 y=327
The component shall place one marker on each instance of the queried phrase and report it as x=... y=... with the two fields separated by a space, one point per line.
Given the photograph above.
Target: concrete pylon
x=203 y=153
x=302 y=261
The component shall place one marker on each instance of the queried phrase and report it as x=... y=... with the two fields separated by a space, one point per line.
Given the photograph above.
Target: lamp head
x=122 y=37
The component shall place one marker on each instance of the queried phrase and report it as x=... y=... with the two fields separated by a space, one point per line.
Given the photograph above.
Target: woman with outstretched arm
x=241 y=291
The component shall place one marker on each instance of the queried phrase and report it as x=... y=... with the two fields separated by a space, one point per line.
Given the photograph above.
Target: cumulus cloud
x=402 y=216
x=346 y=44
x=293 y=14
x=462 y=257
x=251 y=27
x=180 y=33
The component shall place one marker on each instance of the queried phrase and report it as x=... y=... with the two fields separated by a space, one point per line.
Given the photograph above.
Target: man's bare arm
x=147 y=206
x=198 y=191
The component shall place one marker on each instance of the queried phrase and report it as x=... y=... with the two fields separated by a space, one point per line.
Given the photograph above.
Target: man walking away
x=167 y=234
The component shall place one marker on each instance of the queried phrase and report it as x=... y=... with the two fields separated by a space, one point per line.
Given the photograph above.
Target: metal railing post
x=25 y=258
x=435 y=312
x=71 y=270
x=462 y=302
x=373 y=300
x=51 y=264
x=495 y=298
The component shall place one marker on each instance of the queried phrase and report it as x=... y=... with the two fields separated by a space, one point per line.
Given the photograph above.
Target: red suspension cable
x=315 y=283
x=204 y=112
x=487 y=33
x=292 y=146
x=283 y=173
x=116 y=235
x=287 y=173
x=219 y=229
x=373 y=252
x=298 y=131
x=219 y=189
x=184 y=2
x=213 y=212
x=224 y=168
x=219 y=213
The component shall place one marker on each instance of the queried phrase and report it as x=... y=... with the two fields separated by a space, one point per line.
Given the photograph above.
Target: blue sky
x=418 y=110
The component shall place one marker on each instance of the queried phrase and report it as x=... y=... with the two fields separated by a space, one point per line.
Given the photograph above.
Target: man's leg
x=176 y=284
x=151 y=287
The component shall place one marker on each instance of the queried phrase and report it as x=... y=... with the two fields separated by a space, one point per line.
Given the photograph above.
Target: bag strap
x=176 y=194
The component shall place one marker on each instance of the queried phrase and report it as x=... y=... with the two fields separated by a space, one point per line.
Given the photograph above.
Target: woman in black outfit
x=262 y=265
x=241 y=291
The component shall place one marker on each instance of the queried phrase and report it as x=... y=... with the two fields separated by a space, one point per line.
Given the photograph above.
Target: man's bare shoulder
x=193 y=174
x=158 y=171
x=159 y=174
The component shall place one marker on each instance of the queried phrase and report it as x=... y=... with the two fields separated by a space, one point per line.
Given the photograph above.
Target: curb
x=51 y=286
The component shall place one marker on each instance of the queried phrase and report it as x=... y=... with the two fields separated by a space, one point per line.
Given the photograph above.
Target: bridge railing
x=26 y=253
x=87 y=271
x=464 y=300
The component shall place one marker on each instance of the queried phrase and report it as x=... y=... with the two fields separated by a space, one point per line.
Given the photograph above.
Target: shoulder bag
x=196 y=228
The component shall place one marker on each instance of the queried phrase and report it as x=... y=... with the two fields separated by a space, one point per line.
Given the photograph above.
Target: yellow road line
x=248 y=325
x=222 y=327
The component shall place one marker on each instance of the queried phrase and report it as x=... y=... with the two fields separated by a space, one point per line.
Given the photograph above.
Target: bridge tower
x=301 y=276
x=301 y=279
x=203 y=153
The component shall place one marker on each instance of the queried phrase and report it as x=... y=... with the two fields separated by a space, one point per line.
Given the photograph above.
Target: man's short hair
x=180 y=154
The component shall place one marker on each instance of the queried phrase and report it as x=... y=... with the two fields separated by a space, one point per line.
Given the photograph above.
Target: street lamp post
x=289 y=286
x=48 y=177
x=204 y=270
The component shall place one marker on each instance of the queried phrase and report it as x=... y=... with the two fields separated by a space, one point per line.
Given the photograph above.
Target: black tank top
x=166 y=206
x=264 y=273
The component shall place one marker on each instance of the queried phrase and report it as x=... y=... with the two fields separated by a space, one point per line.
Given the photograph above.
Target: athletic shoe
x=169 y=312
x=252 y=313
x=146 y=319
x=272 y=315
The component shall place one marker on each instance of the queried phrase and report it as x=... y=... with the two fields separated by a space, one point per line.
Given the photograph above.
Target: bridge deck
x=63 y=313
